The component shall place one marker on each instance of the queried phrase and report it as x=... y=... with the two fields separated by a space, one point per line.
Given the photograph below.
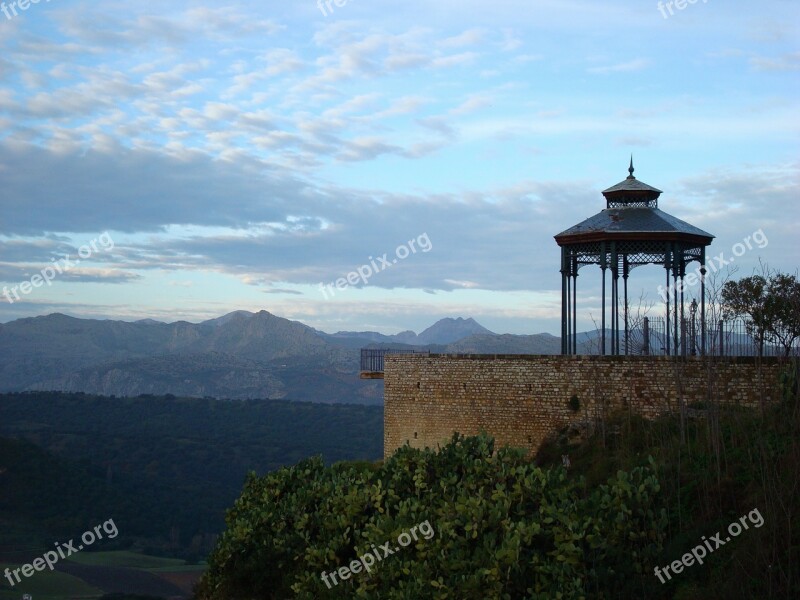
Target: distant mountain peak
x=56 y=316
x=444 y=331
x=231 y=316
x=449 y=330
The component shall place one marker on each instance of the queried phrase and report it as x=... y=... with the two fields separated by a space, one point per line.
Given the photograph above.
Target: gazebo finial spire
x=630 y=169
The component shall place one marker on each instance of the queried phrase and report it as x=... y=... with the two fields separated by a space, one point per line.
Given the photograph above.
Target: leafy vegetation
x=770 y=305
x=638 y=494
x=712 y=469
x=504 y=528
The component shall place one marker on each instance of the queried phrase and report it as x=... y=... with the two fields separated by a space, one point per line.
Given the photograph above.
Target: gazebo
x=630 y=232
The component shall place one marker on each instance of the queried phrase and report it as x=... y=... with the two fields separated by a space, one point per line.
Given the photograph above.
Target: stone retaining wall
x=521 y=399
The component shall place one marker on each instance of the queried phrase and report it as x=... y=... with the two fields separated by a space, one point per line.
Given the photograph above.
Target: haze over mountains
x=238 y=355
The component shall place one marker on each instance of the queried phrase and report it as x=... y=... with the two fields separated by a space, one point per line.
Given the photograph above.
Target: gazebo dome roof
x=632 y=213
x=631 y=184
x=650 y=223
x=632 y=192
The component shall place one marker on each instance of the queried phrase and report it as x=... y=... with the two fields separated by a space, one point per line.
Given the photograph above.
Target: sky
x=182 y=160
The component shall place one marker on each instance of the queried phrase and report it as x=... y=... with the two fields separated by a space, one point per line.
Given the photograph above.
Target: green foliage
x=770 y=306
x=504 y=528
x=789 y=382
x=731 y=461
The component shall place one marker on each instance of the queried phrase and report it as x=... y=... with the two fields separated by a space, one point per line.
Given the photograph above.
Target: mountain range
x=238 y=355
x=444 y=331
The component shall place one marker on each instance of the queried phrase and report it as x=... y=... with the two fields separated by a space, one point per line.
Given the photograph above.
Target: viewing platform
x=372 y=360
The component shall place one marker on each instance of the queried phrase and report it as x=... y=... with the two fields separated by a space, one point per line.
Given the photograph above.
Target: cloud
x=510 y=41
x=470 y=37
x=139 y=190
x=454 y=60
x=103 y=30
x=367 y=148
x=787 y=62
x=397 y=61
x=281 y=61
x=498 y=239
x=472 y=104
x=462 y=284
x=634 y=65
x=528 y=58
x=226 y=22
x=439 y=125
x=96 y=275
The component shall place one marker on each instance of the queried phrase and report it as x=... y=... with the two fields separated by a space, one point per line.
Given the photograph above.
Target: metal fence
x=649 y=337
x=725 y=338
x=372 y=358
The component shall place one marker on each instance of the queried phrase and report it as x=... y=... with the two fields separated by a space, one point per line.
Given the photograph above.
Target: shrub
x=504 y=528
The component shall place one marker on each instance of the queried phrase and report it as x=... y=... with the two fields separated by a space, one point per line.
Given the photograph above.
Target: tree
x=498 y=526
x=783 y=304
x=770 y=306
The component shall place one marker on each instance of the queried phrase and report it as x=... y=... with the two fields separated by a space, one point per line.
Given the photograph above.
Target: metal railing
x=725 y=338
x=372 y=358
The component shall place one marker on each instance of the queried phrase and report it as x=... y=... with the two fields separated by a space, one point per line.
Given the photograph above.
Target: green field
x=179 y=569
x=54 y=585
x=123 y=558
x=46 y=585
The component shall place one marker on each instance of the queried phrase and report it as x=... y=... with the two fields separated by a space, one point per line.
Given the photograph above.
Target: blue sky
x=240 y=154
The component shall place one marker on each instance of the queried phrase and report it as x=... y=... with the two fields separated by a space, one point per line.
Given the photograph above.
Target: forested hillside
x=164 y=468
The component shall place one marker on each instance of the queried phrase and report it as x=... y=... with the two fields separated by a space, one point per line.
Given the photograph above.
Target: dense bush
x=712 y=469
x=504 y=528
